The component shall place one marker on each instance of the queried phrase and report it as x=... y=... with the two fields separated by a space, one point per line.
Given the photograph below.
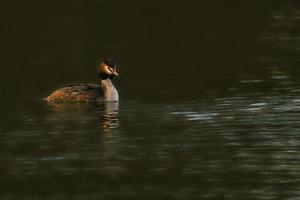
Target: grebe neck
x=110 y=93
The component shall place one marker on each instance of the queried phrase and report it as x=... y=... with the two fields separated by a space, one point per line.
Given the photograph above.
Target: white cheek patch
x=111 y=71
x=107 y=70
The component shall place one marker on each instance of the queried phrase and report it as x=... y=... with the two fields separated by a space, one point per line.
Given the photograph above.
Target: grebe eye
x=110 y=69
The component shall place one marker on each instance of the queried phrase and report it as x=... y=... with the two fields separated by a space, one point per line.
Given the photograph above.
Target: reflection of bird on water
x=109 y=118
x=90 y=92
x=80 y=113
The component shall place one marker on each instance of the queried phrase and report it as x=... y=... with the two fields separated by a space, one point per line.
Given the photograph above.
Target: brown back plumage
x=77 y=92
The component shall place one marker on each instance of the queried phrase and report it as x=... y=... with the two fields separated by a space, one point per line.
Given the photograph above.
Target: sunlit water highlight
x=242 y=144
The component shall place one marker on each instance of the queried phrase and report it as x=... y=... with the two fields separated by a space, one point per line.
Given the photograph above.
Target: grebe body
x=105 y=91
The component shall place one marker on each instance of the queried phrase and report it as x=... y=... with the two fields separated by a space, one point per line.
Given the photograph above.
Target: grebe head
x=107 y=69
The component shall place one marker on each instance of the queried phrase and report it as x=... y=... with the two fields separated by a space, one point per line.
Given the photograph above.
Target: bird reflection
x=83 y=114
x=109 y=118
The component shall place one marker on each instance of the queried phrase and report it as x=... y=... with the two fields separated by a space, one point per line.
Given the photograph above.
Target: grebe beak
x=115 y=73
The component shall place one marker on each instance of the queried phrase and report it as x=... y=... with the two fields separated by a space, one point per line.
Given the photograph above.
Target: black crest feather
x=110 y=62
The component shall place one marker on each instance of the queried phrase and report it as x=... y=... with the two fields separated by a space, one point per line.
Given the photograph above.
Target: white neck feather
x=109 y=90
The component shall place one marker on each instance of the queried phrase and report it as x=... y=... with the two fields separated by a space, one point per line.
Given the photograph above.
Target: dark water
x=209 y=109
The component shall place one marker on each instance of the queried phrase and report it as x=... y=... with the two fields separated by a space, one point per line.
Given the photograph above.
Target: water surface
x=209 y=109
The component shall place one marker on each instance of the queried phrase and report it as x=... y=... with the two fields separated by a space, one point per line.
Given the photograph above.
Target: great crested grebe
x=90 y=92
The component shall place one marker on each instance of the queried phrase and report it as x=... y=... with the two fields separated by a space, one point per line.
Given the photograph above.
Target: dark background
x=166 y=49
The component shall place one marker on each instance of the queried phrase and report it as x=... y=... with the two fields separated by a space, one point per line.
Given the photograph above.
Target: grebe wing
x=77 y=92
